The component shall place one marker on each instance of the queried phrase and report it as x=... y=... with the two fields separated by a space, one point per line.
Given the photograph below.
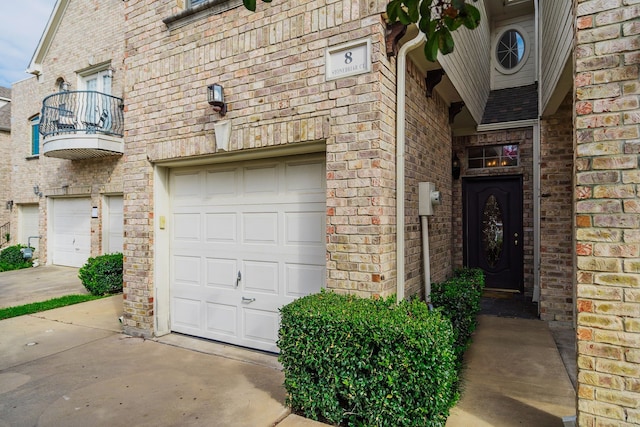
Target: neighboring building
x=67 y=137
x=5 y=167
x=309 y=172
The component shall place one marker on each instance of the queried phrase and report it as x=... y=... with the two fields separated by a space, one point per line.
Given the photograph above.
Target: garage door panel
x=222 y=319
x=221 y=227
x=187 y=227
x=221 y=183
x=186 y=314
x=260 y=180
x=305 y=177
x=222 y=273
x=186 y=270
x=304 y=228
x=186 y=187
x=260 y=326
x=303 y=279
x=260 y=227
x=260 y=276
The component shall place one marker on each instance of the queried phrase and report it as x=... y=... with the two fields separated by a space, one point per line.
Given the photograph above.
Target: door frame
x=465 y=212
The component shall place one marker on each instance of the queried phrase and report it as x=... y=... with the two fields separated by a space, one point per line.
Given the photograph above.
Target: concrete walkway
x=514 y=376
x=72 y=366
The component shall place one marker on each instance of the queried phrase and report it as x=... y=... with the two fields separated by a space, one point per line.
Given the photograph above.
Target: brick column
x=607 y=206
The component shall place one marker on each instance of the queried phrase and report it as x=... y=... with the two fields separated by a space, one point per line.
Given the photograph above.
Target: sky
x=22 y=24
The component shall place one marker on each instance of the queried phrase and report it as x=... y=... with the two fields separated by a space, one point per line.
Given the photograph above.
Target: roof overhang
x=35 y=66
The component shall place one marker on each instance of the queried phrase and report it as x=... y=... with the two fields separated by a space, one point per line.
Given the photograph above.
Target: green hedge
x=362 y=362
x=11 y=258
x=102 y=275
x=459 y=299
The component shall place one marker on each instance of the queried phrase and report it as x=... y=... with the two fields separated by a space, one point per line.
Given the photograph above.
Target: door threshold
x=510 y=291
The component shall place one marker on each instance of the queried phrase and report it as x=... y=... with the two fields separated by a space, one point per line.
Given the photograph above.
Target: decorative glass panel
x=492 y=231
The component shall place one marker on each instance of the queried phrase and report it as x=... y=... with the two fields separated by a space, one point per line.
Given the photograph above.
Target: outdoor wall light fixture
x=110 y=72
x=36 y=191
x=9 y=204
x=215 y=94
x=455 y=166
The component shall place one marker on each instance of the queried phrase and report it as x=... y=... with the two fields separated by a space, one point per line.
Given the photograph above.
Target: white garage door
x=112 y=225
x=71 y=231
x=29 y=226
x=246 y=239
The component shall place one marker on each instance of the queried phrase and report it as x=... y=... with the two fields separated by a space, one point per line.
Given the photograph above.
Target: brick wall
x=607 y=213
x=5 y=178
x=428 y=149
x=271 y=64
x=556 y=214
x=83 y=38
x=523 y=137
x=25 y=169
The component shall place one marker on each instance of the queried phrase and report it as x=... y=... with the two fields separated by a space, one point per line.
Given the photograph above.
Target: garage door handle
x=248 y=300
x=238 y=279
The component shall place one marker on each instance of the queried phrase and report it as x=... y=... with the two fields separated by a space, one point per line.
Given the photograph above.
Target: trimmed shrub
x=459 y=300
x=102 y=275
x=11 y=258
x=352 y=361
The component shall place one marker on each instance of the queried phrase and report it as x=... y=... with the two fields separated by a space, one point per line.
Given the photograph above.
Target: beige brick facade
x=5 y=179
x=607 y=129
x=556 y=215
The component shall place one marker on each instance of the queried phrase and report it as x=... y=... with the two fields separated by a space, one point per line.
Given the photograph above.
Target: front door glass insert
x=492 y=231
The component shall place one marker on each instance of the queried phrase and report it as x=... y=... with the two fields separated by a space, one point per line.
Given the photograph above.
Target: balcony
x=82 y=125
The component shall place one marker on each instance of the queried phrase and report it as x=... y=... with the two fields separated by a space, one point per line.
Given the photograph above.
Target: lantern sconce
x=215 y=97
x=455 y=166
x=9 y=205
x=36 y=191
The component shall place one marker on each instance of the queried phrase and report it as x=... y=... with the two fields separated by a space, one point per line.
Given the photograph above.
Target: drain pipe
x=401 y=71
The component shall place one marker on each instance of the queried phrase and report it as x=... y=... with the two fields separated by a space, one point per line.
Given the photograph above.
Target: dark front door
x=492 y=210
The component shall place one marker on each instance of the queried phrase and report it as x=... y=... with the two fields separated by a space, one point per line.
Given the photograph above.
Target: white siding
x=556 y=40
x=468 y=65
x=525 y=75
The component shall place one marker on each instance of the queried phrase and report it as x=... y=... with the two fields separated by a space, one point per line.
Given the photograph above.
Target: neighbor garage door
x=71 y=231
x=246 y=239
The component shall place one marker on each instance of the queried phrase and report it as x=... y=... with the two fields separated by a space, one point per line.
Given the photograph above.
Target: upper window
x=510 y=49
x=195 y=2
x=35 y=135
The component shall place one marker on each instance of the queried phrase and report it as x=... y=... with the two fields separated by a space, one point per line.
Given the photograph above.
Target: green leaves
x=352 y=361
x=251 y=4
x=437 y=19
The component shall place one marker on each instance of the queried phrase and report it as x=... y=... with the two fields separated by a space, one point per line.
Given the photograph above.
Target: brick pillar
x=607 y=211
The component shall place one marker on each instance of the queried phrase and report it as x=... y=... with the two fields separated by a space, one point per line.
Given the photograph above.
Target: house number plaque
x=348 y=59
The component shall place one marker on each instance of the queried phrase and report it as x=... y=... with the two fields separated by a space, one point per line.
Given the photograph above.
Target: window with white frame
x=492 y=156
x=35 y=135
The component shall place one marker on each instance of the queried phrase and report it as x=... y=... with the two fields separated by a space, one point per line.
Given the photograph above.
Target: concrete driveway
x=36 y=284
x=72 y=366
